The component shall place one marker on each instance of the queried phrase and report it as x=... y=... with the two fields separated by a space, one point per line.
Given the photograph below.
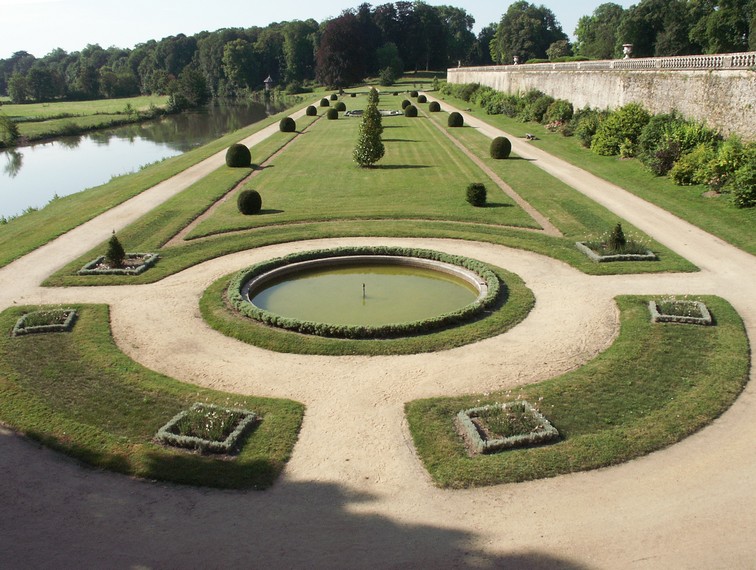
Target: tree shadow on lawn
x=92 y=516
x=399 y=166
x=497 y=205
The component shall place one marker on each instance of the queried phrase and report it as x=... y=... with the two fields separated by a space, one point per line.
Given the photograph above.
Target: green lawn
x=656 y=384
x=715 y=215
x=78 y=393
x=46 y=111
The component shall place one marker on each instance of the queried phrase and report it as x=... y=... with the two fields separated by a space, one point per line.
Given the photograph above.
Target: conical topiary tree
x=369 y=149
x=115 y=255
x=617 y=240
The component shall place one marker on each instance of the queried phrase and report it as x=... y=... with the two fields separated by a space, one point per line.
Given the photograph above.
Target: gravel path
x=354 y=494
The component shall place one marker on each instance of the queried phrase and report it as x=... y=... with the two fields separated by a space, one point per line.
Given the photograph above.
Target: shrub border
x=658 y=317
x=150 y=259
x=648 y=256
x=165 y=436
x=477 y=445
x=236 y=297
x=20 y=328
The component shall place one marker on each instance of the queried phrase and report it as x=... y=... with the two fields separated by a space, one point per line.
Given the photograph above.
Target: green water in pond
x=393 y=294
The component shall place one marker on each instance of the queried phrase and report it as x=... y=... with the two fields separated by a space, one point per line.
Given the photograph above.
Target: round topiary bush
x=238 y=156
x=413 y=93
x=410 y=111
x=476 y=194
x=324 y=102
x=455 y=120
x=334 y=96
x=501 y=147
x=332 y=114
x=249 y=202
x=434 y=107
x=353 y=94
x=405 y=104
x=287 y=125
x=311 y=111
x=422 y=99
x=340 y=106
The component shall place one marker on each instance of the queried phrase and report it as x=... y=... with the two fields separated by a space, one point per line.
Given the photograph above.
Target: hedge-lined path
x=354 y=495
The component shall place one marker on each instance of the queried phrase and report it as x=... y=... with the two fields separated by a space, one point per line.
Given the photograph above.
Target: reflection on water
x=31 y=176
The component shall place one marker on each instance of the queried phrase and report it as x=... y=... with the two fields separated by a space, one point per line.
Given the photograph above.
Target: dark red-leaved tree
x=340 y=57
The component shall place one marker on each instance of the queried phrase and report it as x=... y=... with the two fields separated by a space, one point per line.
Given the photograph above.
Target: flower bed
x=680 y=311
x=600 y=256
x=207 y=428
x=497 y=427
x=54 y=320
x=134 y=264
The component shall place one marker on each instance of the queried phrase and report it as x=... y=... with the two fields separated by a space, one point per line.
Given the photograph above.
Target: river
x=32 y=176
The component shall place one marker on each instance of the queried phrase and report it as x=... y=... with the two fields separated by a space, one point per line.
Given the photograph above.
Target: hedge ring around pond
x=492 y=287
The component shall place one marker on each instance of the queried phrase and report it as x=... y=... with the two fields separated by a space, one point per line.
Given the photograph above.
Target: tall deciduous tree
x=525 y=31
x=340 y=58
x=597 y=34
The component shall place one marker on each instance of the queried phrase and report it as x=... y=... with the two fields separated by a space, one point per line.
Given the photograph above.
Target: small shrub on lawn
x=455 y=120
x=115 y=255
x=334 y=96
x=332 y=114
x=249 y=202
x=406 y=103
x=238 y=156
x=413 y=93
x=434 y=107
x=324 y=102
x=422 y=99
x=287 y=125
x=311 y=111
x=625 y=123
x=476 y=194
x=410 y=111
x=501 y=148
x=340 y=106
x=743 y=186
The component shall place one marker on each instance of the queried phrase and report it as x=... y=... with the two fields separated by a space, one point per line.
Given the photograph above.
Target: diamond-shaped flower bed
x=600 y=257
x=53 y=320
x=497 y=427
x=680 y=311
x=133 y=264
x=207 y=428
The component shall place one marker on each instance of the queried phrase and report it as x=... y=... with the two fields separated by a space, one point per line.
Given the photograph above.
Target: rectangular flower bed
x=207 y=428
x=680 y=311
x=497 y=427
x=54 y=320
x=134 y=264
x=598 y=258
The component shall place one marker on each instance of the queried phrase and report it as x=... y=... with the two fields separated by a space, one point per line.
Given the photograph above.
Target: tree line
x=385 y=40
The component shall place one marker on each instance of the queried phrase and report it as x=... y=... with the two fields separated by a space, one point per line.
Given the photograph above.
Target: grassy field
x=715 y=215
x=654 y=386
x=78 y=393
x=53 y=110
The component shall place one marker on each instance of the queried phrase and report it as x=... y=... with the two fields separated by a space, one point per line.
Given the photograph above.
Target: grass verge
x=515 y=302
x=78 y=393
x=657 y=384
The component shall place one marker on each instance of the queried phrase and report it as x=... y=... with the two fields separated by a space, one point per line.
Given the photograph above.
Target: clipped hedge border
x=463 y=315
x=150 y=259
x=648 y=256
x=658 y=317
x=20 y=328
x=166 y=436
x=476 y=444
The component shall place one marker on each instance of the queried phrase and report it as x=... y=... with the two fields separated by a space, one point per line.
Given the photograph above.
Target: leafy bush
x=730 y=156
x=413 y=93
x=505 y=104
x=115 y=255
x=249 y=202
x=332 y=114
x=410 y=111
x=334 y=96
x=476 y=194
x=311 y=111
x=585 y=124
x=422 y=99
x=467 y=91
x=455 y=120
x=535 y=110
x=652 y=134
x=625 y=123
x=501 y=147
x=406 y=103
x=387 y=77
x=664 y=158
x=238 y=156
x=434 y=107
x=287 y=125
x=353 y=94
x=743 y=186
x=692 y=168
x=559 y=110
x=324 y=102
x=340 y=106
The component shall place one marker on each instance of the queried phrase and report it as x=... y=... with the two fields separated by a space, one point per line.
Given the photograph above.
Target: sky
x=39 y=26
